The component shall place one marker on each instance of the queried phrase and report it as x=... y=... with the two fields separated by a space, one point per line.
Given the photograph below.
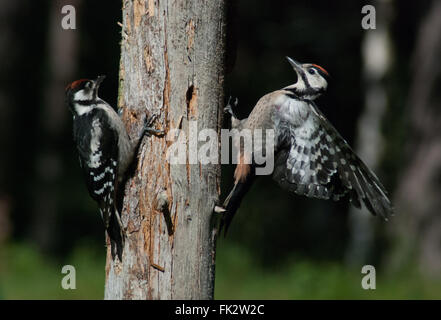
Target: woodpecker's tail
x=233 y=201
x=116 y=238
x=112 y=223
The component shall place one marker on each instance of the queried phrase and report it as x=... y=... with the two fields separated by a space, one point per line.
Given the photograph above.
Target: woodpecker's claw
x=229 y=107
x=122 y=228
x=219 y=209
x=149 y=121
x=148 y=126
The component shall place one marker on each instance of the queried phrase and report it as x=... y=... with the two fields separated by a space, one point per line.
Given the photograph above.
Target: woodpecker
x=105 y=151
x=311 y=157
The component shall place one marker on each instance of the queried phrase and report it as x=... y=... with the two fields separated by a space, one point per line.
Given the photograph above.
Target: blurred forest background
x=384 y=98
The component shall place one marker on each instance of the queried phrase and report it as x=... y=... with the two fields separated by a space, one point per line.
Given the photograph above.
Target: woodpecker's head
x=83 y=91
x=311 y=80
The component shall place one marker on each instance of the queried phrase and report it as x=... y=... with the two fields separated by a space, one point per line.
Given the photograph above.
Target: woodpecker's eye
x=311 y=70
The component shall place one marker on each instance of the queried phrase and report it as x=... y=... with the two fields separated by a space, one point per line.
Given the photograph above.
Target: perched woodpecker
x=311 y=157
x=105 y=151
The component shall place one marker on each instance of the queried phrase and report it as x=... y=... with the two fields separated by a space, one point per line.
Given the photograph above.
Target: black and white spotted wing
x=319 y=163
x=98 y=152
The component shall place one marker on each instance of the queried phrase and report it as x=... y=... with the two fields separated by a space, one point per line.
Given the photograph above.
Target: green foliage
x=238 y=276
x=26 y=274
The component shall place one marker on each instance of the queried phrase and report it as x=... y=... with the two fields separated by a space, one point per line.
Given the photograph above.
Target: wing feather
x=319 y=163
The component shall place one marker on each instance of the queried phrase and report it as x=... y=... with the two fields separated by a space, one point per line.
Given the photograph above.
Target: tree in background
x=8 y=108
x=377 y=59
x=418 y=200
x=62 y=62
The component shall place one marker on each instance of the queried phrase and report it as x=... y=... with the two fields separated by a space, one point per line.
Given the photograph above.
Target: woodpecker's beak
x=98 y=81
x=297 y=66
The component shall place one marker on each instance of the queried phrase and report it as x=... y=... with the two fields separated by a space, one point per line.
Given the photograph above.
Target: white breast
x=293 y=111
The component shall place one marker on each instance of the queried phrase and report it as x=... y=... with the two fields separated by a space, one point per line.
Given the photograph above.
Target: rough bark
x=172 y=64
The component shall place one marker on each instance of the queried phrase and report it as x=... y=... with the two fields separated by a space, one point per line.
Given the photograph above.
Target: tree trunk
x=172 y=64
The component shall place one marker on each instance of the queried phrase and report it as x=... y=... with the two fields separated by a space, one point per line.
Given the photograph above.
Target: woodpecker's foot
x=217 y=219
x=230 y=105
x=218 y=209
x=149 y=129
x=121 y=227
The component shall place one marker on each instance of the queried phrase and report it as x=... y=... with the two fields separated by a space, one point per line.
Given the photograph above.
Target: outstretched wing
x=319 y=163
x=98 y=151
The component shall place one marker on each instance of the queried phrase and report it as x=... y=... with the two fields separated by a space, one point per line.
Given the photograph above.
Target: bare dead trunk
x=172 y=64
